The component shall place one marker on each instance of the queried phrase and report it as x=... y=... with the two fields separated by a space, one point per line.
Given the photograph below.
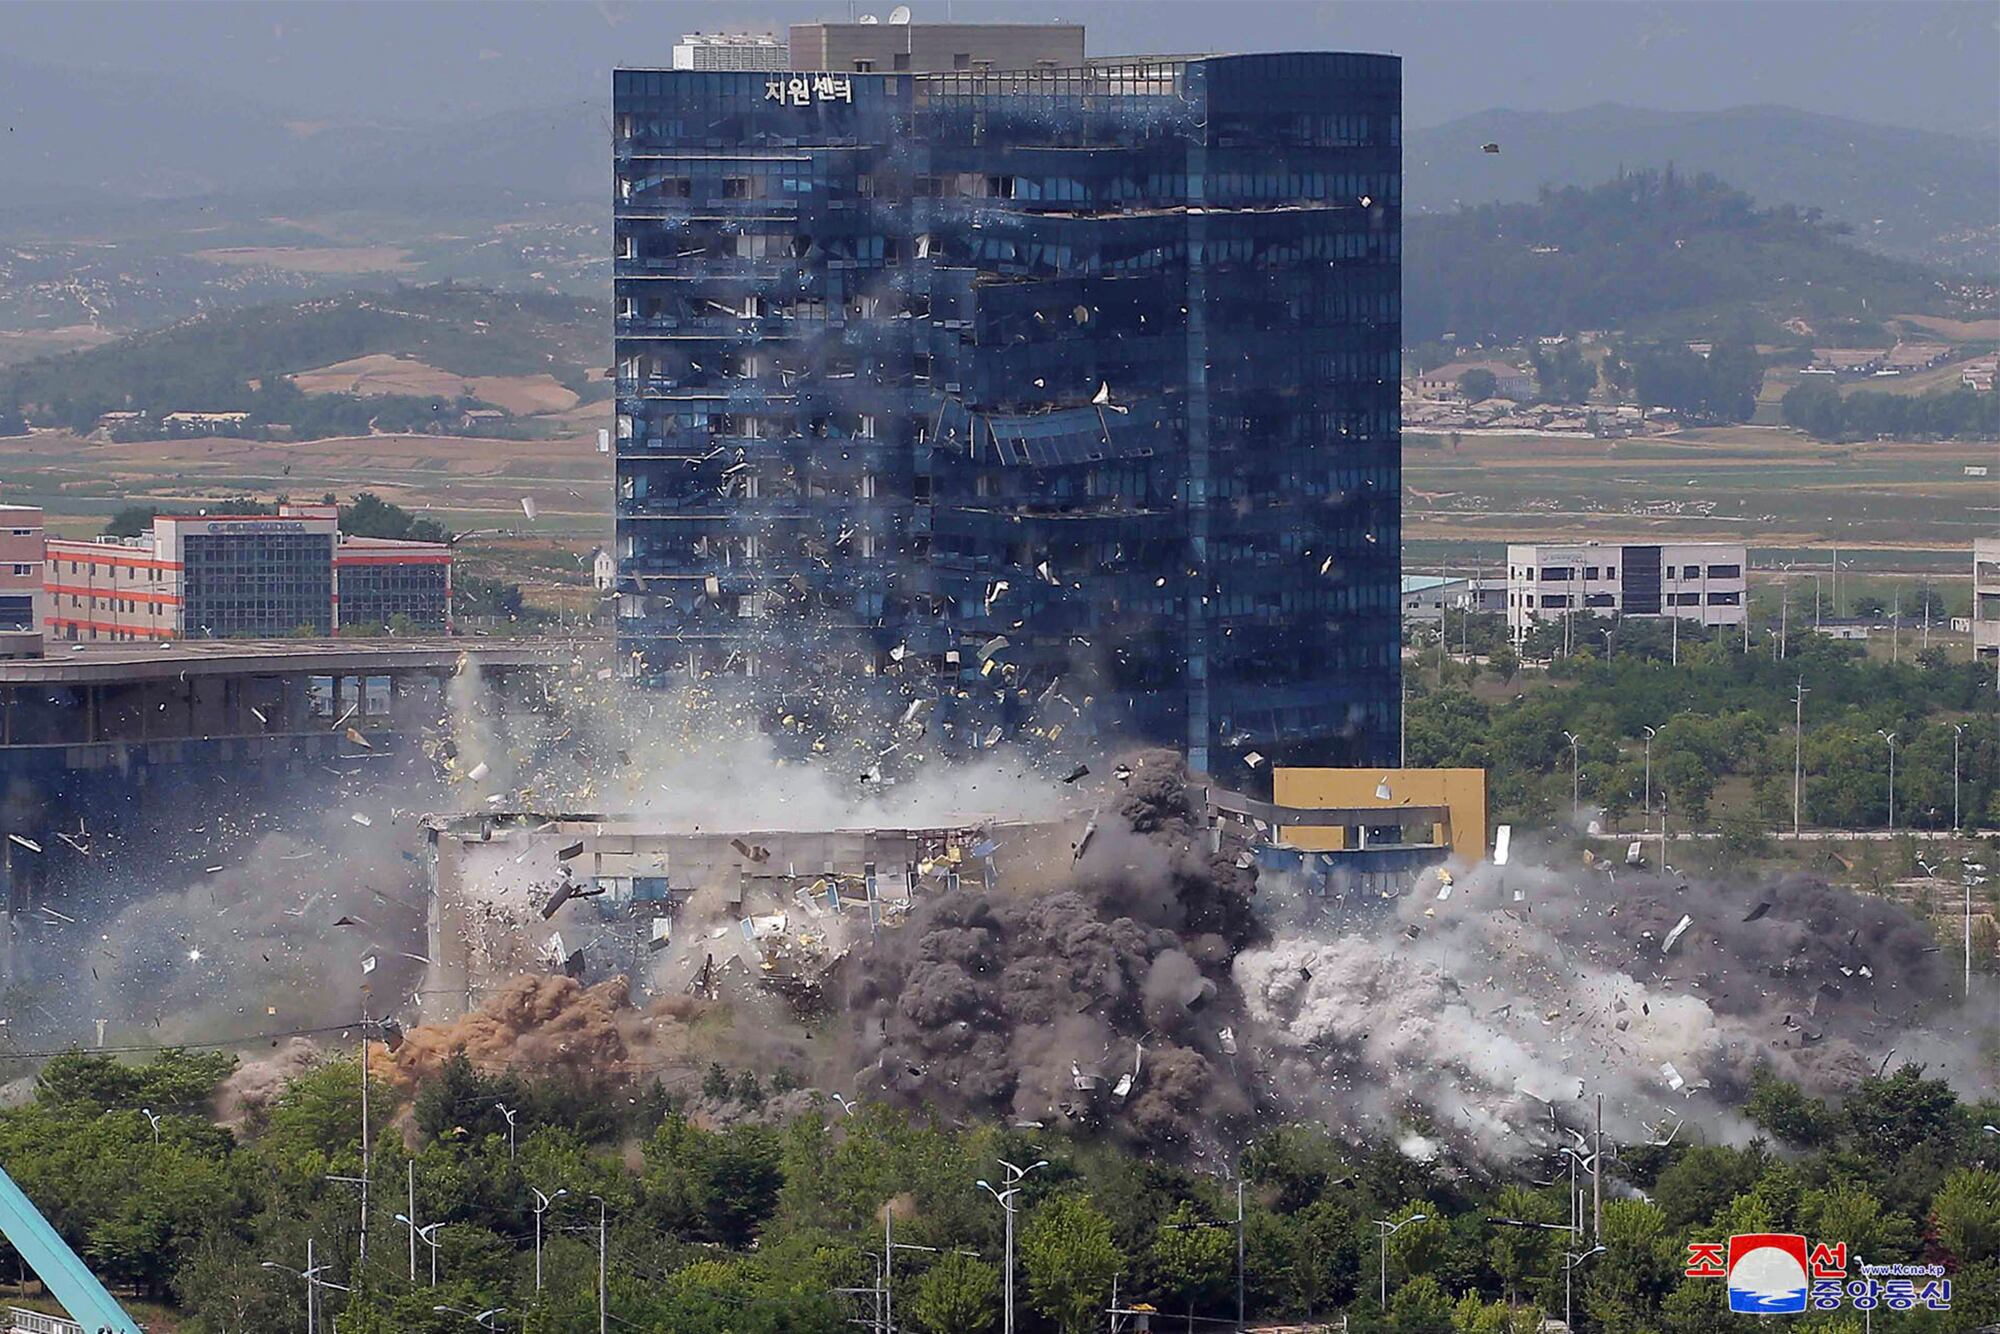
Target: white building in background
x=1704 y=582
x=732 y=50
x=1985 y=595
x=1426 y=597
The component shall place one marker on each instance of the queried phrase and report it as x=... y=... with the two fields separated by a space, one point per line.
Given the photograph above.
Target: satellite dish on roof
x=869 y=18
x=900 y=14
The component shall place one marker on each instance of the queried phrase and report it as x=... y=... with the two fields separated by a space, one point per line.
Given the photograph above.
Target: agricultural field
x=1891 y=506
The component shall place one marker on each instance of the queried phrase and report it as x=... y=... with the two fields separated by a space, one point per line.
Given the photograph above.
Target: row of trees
x=1821 y=410
x=766 y=1225
x=1720 y=715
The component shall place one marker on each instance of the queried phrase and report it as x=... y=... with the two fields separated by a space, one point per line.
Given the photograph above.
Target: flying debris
x=1675 y=934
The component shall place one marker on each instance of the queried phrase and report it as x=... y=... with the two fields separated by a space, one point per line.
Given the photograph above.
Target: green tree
x=1192 y=1257
x=131 y=521
x=1705 y=1179
x=1563 y=374
x=1420 y=1306
x=372 y=516
x=1069 y=1259
x=957 y=1295
x=1477 y=384
x=1788 y=1112
x=1519 y=1253
x=1966 y=1214
x=1688 y=781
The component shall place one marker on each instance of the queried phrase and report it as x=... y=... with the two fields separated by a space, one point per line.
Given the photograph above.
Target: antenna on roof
x=869 y=18
x=900 y=14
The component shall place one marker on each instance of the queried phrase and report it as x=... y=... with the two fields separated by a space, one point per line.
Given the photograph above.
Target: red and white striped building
x=222 y=576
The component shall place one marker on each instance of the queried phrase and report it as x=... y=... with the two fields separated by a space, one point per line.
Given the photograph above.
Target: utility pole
x=1239 y=1249
x=603 y=1310
x=411 y=1204
x=1889 y=738
x=1799 y=693
x=1965 y=885
x=1575 y=777
x=1957 y=735
x=888 y=1268
x=1597 y=1176
x=1784 y=610
x=364 y=1137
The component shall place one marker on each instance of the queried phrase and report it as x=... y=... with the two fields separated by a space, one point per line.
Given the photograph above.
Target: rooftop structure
x=1001 y=384
x=926 y=48
x=731 y=51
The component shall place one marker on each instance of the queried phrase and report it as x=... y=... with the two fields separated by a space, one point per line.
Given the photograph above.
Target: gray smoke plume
x=1100 y=1002
x=1492 y=1012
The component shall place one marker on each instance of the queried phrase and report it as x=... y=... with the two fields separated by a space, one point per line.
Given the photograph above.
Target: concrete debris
x=1679 y=928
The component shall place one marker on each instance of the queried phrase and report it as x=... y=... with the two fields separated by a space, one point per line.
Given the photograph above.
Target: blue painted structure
x=61 y=1272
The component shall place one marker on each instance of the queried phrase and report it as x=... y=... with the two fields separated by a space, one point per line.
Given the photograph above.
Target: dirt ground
x=314 y=259
x=383 y=373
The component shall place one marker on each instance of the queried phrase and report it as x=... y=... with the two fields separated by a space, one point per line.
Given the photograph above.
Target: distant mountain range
x=81 y=138
x=129 y=202
x=1910 y=193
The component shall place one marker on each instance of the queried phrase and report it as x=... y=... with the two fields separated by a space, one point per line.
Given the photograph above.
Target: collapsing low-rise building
x=984 y=378
x=681 y=910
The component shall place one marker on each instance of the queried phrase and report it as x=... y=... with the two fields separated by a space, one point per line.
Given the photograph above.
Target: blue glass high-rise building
x=1067 y=397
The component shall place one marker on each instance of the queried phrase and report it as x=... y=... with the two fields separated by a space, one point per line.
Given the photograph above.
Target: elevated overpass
x=104 y=734
x=93 y=706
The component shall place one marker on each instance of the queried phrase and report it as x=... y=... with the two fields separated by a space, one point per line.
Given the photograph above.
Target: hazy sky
x=1930 y=65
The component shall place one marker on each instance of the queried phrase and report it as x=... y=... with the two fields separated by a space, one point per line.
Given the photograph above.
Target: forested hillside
x=1651 y=252
x=237 y=361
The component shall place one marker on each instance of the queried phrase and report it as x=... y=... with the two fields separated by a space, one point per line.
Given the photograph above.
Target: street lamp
x=1890 y=738
x=1389 y=1230
x=1570 y=1262
x=509 y=1114
x=310 y=1275
x=1650 y=734
x=489 y=1319
x=542 y=1203
x=1005 y=1199
x=154 y=1122
x=1957 y=735
x=602 y=1308
x=1575 y=776
x=428 y=1235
